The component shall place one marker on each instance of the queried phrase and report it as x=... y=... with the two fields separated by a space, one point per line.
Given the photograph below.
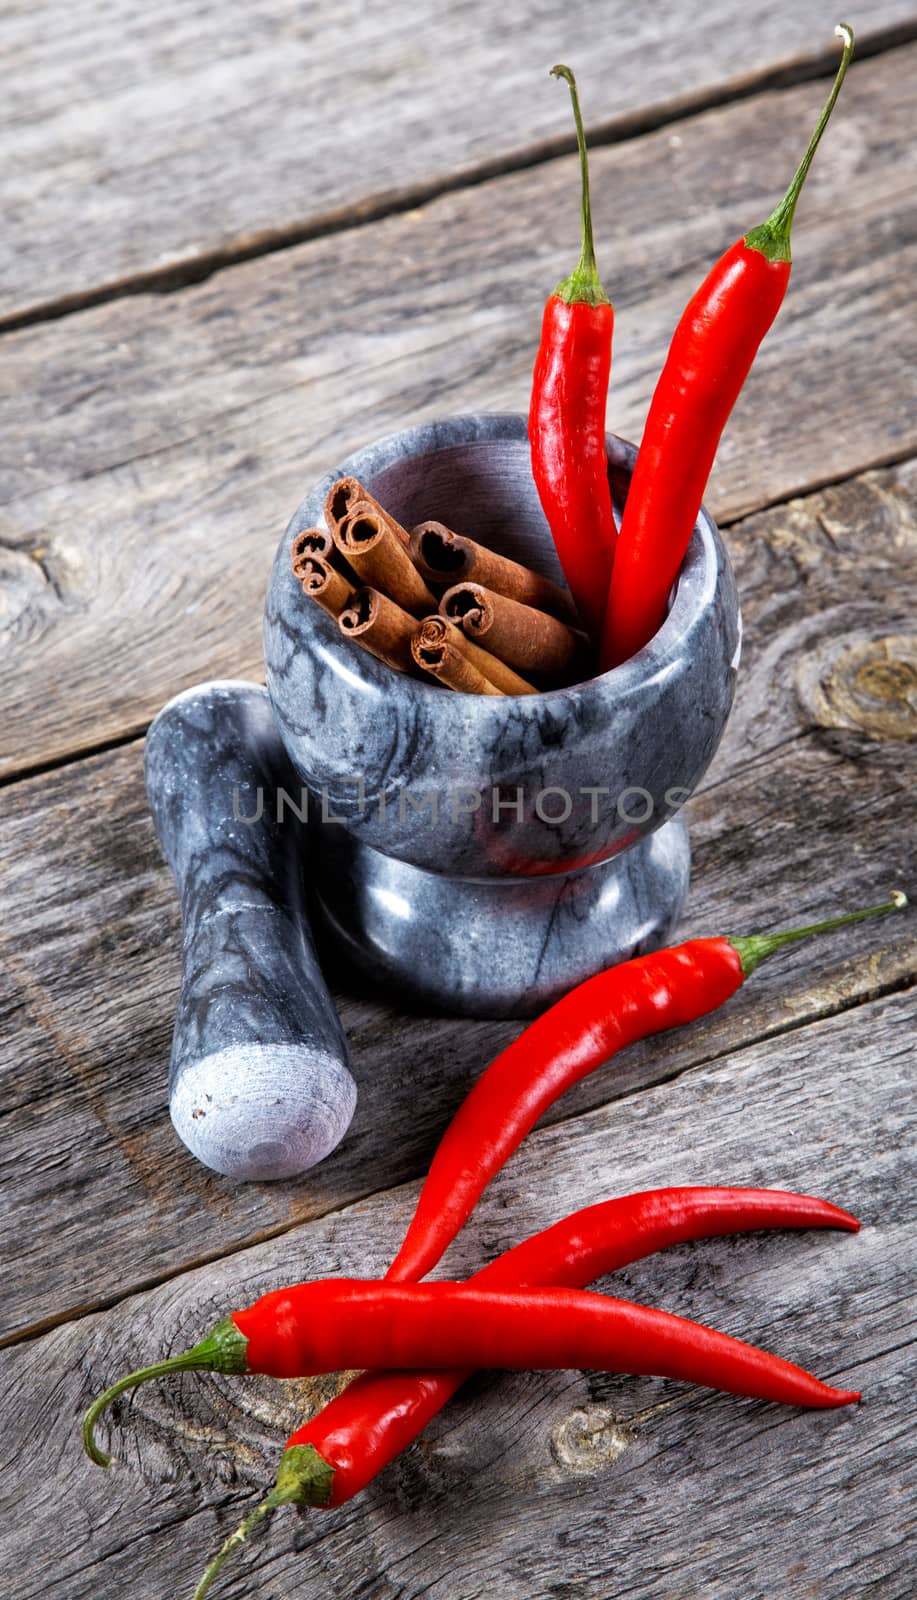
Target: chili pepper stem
x=304 y=1478
x=772 y=238
x=264 y=1509
x=758 y=946
x=223 y=1350
x=584 y=285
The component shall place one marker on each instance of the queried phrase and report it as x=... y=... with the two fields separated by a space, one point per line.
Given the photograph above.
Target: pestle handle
x=259 y=1086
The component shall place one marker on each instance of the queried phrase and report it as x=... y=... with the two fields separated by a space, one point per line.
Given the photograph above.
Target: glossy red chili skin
x=371 y=1422
x=711 y=353
x=567 y=438
x=335 y=1323
x=571 y=1039
x=379 y=1414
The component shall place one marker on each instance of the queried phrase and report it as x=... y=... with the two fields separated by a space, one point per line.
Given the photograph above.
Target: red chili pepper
x=378 y=1414
x=333 y=1323
x=570 y=1040
x=312 y=1328
x=512 y=1333
x=709 y=359
x=567 y=416
x=336 y=1454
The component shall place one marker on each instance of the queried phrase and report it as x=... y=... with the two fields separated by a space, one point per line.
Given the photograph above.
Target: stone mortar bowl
x=485 y=853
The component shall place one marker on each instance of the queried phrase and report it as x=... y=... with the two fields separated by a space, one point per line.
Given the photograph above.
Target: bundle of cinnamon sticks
x=437 y=605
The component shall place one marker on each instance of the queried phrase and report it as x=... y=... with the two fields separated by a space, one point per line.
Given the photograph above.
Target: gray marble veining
x=493 y=947
x=259 y=1084
x=472 y=812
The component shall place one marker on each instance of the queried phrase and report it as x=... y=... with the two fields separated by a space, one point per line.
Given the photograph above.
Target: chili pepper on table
x=571 y=1040
x=334 y=1455
x=711 y=353
x=337 y=1453
x=573 y=1253
x=333 y=1323
x=567 y=416
x=567 y=1042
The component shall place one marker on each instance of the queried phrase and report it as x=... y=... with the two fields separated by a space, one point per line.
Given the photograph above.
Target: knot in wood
x=869 y=688
x=588 y=1441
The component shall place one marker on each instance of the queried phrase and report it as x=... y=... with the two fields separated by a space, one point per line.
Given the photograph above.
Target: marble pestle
x=259 y=1086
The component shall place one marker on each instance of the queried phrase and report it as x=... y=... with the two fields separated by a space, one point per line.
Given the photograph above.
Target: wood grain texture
x=135 y=140
x=795 y=820
x=153 y=449
x=534 y=1484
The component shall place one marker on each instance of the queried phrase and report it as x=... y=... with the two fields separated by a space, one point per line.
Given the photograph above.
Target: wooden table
x=236 y=244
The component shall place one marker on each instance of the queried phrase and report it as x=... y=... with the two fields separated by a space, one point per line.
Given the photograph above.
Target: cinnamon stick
x=381 y=627
x=451 y=665
x=368 y=542
x=529 y=640
x=445 y=558
x=310 y=542
x=325 y=584
x=347 y=493
x=439 y=634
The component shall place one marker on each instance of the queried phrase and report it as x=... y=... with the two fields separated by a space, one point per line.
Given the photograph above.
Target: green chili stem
x=264 y=1509
x=223 y=1350
x=772 y=238
x=584 y=283
x=304 y=1478
x=757 y=947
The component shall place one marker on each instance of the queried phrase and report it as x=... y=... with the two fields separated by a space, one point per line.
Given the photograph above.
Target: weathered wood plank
x=795 y=819
x=561 y=1484
x=140 y=140
x=153 y=449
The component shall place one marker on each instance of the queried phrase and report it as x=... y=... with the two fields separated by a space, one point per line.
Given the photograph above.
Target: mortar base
x=504 y=947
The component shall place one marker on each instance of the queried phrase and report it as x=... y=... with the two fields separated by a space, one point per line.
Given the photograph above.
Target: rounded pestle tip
x=263 y=1111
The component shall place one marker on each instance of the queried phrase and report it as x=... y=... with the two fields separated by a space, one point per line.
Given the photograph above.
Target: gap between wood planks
x=374 y=208
x=138 y=730
x=838 y=1006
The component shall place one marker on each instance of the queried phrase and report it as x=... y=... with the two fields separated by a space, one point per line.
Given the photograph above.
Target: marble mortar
x=483 y=854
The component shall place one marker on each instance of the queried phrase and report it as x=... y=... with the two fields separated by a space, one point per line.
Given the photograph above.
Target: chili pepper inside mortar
x=567 y=416
x=709 y=359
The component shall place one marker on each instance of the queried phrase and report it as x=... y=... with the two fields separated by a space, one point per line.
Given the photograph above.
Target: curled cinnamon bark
x=369 y=544
x=381 y=627
x=439 y=636
x=324 y=583
x=524 y=638
x=310 y=542
x=347 y=493
x=445 y=558
x=449 y=664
